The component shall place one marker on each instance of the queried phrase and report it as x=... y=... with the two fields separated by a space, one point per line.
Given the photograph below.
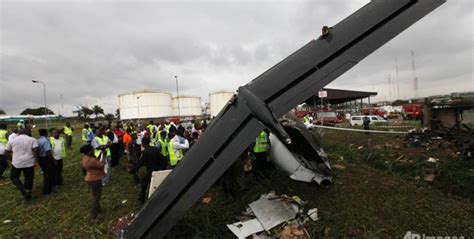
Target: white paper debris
x=433 y=160
x=245 y=229
x=313 y=214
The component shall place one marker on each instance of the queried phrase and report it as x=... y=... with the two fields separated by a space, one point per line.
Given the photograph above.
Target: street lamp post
x=44 y=97
x=138 y=106
x=177 y=96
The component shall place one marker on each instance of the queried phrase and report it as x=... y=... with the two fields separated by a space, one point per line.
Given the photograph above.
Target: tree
x=117 y=113
x=86 y=111
x=37 y=111
x=2 y=112
x=79 y=113
x=97 y=110
x=109 y=117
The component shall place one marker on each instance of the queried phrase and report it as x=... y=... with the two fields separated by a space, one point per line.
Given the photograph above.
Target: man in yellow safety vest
x=3 y=145
x=260 y=151
x=67 y=130
x=176 y=144
x=101 y=144
x=162 y=143
x=151 y=128
x=86 y=131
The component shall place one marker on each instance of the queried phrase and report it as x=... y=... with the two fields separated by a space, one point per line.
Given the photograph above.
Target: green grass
x=366 y=200
x=66 y=213
x=455 y=175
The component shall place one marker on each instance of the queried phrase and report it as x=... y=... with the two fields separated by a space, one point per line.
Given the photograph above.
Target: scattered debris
x=206 y=199
x=339 y=166
x=245 y=229
x=274 y=216
x=271 y=213
x=298 y=200
x=124 y=201
x=118 y=228
x=429 y=178
x=360 y=147
x=248 y=165
x=7 y=221
x=433 y=160
x=294 y=231
x=443 y=137
x=313 y=214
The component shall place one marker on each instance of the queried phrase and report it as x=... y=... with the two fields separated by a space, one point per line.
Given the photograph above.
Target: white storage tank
x=145 y=104
x=188 y=106
x=218 y=99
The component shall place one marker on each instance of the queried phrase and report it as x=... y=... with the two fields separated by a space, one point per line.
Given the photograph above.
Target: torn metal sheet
x=304 y=160
x=272 y=212
x=245 y=229
x=157 y=177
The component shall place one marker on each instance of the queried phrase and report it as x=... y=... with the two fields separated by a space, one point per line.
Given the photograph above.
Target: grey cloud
x=92 y=51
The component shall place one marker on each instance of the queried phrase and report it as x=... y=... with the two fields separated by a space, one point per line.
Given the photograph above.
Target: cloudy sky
x=91 y=51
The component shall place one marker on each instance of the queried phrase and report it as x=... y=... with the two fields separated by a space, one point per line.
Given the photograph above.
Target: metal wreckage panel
x=268 y=97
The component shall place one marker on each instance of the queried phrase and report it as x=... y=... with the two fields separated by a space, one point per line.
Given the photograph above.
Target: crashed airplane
x=260 y=104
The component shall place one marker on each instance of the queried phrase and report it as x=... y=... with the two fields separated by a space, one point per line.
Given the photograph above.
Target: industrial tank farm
x=188 y=106
x=145 y=104
x=218 y=99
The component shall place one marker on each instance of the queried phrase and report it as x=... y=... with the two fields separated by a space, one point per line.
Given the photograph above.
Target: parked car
x=328 y=117
x=359 y=119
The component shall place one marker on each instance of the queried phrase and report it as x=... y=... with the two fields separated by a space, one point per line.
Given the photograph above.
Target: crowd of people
x=24 y=151
x=155 y=146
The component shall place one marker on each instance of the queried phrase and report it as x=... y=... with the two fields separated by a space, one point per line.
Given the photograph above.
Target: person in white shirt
x=180 y=143
x=59 y=154
x=23 y=151
x=13 y=135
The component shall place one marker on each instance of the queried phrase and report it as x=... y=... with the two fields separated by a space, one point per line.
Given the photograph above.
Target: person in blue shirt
x=91 y=135
x=46 y=161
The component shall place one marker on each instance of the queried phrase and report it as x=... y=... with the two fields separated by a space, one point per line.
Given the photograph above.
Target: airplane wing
x=268 y=97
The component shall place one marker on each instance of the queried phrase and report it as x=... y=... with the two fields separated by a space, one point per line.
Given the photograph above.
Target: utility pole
x=62 y=106
x=45 y=104
x=389 y=88
x=138 y=107
x=415 y=79
x=396 y=75
x=177 y=96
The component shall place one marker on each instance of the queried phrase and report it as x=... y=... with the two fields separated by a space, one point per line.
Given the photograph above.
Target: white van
x=359 y=119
